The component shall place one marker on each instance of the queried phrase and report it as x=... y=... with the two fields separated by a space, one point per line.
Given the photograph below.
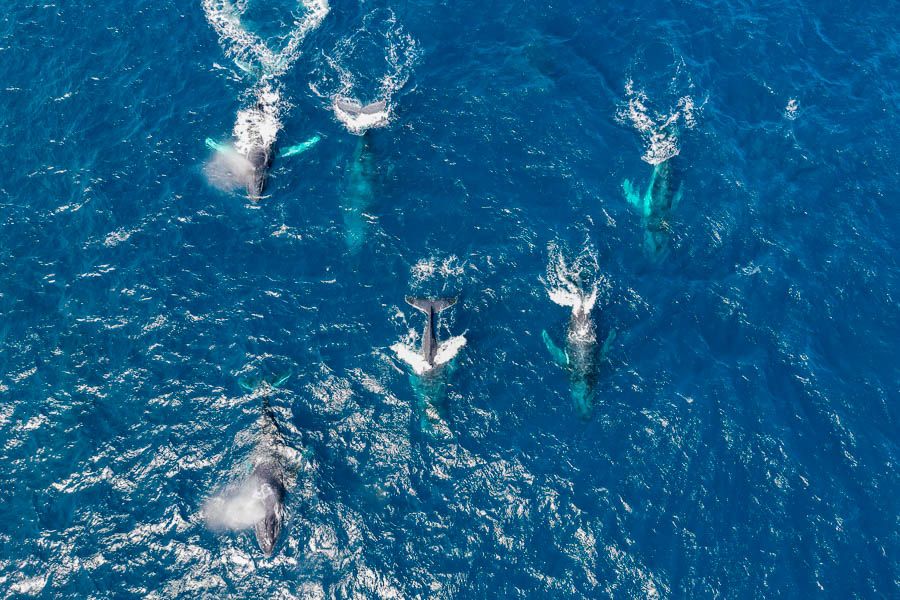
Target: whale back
x=260 y=158
x=270 y=491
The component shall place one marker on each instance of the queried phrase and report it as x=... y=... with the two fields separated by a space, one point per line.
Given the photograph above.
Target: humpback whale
x=359 y=195
x=580 y=354
x=257 y=500
x=655 y=206
x=267 y=481
x=246 y=162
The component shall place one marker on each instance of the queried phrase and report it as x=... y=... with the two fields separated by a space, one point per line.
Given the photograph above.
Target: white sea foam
x=574 y=283
x=447 y=350
x=659 y=130
x=427 y=268
x=257 y=126
x=792 y=109
x=248 y=50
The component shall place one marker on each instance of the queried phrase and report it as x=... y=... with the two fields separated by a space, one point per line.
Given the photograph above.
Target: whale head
x=260 y=159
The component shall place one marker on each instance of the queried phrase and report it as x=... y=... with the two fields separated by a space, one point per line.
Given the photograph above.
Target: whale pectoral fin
x=676 y=198
x=214 y=145
x=604 y=350
x=559 y=356
x=300 y=148
x=246 y=385
x=281 y=380
x=632 y=194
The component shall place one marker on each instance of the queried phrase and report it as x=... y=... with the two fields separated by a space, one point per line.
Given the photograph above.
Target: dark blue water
x=741 y=437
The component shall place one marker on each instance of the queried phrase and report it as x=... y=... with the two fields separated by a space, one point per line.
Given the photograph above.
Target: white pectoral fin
x=301 y=148
x=607 y=344
x=632 y=193
x=559 y=355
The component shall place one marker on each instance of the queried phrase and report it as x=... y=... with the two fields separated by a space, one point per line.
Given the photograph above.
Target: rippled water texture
x=735 y=437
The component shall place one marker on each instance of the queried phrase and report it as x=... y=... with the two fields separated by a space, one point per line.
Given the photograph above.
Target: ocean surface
x=711 y=184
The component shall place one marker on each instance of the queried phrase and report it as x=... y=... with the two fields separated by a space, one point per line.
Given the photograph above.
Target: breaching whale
x=580 y=355
x=655 y=206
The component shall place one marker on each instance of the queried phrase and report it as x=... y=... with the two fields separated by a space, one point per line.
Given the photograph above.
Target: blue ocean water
x=739 y=439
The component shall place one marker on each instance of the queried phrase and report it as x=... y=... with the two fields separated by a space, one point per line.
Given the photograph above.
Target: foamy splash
x=368 y=67
x=792 y=109
x=258 y=125
x=448 y=267
x=248 y=50
x=659 y=130
x=237 y=507
x=447 y=350
x=573 y=283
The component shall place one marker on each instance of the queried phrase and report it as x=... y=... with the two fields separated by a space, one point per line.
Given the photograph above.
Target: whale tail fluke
x=354 y=108
x=426 y=305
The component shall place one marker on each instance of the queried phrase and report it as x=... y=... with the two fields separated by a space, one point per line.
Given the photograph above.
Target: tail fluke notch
x=426 y=305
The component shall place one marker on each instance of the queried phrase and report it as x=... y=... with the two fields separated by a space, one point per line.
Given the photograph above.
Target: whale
x=431 y=307
x=655 y=206
x=267 y=482
x=247 y=160
x=580 y=354
x=358 y=194
x=260 y=159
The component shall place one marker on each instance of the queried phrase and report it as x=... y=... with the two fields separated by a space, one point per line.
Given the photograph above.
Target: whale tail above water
x=354 y=108
x=357 y=117
x=426 y=305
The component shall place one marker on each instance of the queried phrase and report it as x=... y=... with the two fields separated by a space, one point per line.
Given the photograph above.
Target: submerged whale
x=359 y=194
x=580 y=355
x=655 y=206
